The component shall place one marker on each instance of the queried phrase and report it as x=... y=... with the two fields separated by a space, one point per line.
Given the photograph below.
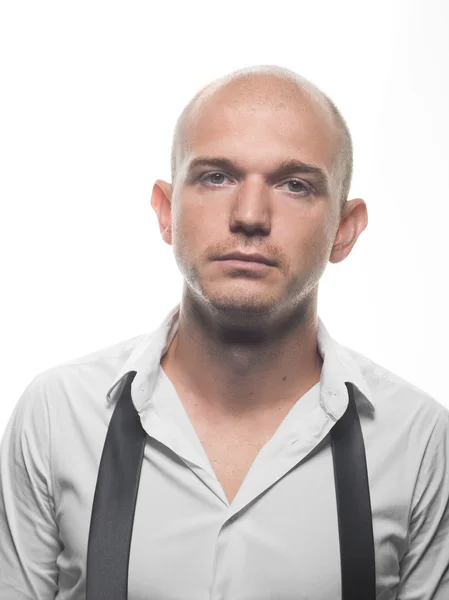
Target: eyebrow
x=284 y=168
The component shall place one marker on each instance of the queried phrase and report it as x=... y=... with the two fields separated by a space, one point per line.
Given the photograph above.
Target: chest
x=231 y=451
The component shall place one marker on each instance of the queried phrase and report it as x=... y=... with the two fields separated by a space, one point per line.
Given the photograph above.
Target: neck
x=233 y=370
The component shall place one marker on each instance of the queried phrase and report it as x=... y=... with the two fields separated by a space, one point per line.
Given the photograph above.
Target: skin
x=246 y=348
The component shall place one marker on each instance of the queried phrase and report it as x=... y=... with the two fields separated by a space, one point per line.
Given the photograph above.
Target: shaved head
x=271 y=86
x=261 y=162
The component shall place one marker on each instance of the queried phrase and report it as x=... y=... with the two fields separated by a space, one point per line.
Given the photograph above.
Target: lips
x=250 y=257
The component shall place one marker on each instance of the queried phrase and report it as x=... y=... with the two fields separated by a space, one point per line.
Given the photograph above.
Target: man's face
x=291 y=217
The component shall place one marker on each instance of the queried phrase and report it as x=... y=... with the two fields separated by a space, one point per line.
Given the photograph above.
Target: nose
x=250 y=208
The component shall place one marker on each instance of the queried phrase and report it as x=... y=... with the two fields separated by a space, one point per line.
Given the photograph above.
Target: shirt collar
x=338 y=367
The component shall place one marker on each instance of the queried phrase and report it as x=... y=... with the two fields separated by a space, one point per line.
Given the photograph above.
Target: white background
x=90 y=92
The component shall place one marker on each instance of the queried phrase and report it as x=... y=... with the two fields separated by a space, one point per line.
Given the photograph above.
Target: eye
x=300 y=187
x=214 y=174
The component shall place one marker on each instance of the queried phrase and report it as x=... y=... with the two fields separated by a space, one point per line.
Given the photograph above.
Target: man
x=238 y=389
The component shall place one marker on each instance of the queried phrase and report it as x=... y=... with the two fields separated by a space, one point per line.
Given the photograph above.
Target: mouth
x=250 y=258
x=247 y=265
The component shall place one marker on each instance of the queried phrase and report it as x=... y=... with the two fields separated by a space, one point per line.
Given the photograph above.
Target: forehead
x=258 y=126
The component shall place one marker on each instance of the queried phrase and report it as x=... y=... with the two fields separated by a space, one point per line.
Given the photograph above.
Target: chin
x=249 y=304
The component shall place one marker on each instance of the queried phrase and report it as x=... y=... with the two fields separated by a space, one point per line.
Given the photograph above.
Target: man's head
x=259 y=119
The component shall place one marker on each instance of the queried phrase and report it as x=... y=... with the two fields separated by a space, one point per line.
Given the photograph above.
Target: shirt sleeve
x=29 y=540
x=424 y=568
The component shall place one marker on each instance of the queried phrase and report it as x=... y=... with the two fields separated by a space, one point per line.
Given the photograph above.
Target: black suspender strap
x=355 y=523
x=114 y=502
x=117 y=487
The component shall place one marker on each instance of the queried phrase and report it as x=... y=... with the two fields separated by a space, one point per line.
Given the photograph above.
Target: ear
x=161 y=202
x=352 y=223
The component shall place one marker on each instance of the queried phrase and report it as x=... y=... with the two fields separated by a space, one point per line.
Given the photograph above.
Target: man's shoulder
x=118 y=351
x=391 y=392
x=97 y=369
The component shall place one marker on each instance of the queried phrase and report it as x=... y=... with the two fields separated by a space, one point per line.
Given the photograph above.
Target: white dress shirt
x=277 y=540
